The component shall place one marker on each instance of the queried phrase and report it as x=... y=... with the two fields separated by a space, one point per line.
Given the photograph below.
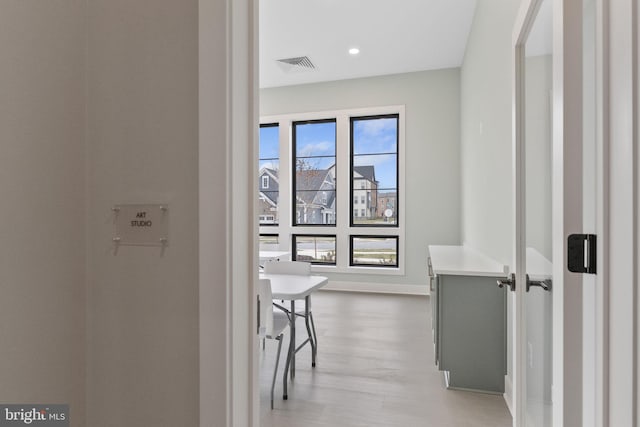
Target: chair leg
x=275 y=372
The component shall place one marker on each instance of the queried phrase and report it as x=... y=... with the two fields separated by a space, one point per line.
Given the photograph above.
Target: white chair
x=303 y=307
x=272 y=323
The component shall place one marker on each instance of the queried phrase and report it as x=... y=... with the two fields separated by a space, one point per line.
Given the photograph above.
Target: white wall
x=143 y=348
x=538 y=153
x=432 y=101
x=486 y=130
x=99 y=104
x=42 y=222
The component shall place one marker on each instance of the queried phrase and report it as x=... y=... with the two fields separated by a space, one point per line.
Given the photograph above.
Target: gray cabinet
x=434 y=308
x=469 y=329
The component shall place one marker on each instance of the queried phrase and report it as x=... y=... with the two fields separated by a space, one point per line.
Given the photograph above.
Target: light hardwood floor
x=375 y=368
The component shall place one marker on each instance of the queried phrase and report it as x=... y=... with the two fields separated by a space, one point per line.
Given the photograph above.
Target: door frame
x=228 y=226
x=622 y=198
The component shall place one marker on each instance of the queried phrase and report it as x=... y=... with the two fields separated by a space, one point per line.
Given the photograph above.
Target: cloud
x=377 y=135
x=377 y=127
x=376 y=160
x=322 y=148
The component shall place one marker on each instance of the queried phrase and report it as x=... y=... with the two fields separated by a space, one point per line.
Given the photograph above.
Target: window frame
x=377 y=236
x=270 y=124
x=352 y=156
x=293 y=169
x=294 y=252
x=344 y=206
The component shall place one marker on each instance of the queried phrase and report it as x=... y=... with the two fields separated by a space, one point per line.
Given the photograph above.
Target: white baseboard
x=381 y=288
x=508 y=393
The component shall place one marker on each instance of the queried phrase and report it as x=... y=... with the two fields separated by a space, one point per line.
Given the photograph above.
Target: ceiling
x=393 y=37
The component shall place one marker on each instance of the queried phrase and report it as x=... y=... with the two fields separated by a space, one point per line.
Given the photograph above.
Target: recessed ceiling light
x=354 y=51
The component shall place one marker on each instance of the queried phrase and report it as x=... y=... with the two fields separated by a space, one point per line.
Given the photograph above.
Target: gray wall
x=486 y=130
x=143 y=350
x=432 y=101
x=42 y=224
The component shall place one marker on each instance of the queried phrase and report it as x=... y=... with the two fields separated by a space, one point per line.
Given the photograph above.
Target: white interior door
x=533 y=251
x=554 y=194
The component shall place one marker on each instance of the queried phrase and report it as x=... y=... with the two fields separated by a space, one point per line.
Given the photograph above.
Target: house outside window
x=268 y=172
x=314 y=171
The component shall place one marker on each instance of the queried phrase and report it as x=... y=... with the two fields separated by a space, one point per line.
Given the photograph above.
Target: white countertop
x=464 y=261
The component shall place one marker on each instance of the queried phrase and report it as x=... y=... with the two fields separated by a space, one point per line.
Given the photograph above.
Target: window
x=315 y=249
x=269 y=170
x=314 y=172
x=269 y=242
x=347 y=158
x=374 y=251
x=374 y=166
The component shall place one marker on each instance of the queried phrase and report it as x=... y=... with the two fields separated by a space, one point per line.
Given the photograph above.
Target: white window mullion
x=285 y=185
x=343 y=199
x=402 y=191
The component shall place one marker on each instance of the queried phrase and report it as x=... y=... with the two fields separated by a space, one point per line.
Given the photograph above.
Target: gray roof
x=310 y=183
x=368 y=172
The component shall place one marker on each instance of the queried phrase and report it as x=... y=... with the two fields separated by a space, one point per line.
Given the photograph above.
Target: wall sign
x=141 y=225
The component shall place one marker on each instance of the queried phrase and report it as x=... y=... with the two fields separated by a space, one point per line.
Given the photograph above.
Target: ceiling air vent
x=300 y=63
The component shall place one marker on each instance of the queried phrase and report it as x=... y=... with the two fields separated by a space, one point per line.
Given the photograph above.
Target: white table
x=292 y=287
